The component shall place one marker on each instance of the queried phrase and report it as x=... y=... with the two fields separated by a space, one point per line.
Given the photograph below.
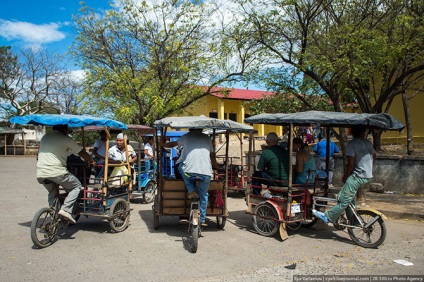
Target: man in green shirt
x=273 y=164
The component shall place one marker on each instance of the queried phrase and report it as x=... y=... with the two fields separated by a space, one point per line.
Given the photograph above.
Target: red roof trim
x=240 y=94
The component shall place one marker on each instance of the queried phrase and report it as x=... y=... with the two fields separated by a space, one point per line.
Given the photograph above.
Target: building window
x=232 y=116
x=213 y=115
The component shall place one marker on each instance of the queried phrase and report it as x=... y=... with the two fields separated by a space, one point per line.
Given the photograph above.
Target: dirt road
x=88 y=251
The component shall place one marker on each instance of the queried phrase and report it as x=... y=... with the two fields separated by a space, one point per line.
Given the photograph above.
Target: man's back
x=275 y=160
x=321 y=148
x=54 y=150
x=196 y=153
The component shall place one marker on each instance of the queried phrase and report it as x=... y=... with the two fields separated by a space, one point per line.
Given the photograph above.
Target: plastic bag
x=118 y=176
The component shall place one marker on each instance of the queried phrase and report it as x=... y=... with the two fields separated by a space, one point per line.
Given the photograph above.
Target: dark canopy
x=333 y=119
x=202 y=122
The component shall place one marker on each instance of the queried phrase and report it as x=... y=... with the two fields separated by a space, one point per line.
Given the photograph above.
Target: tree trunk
x=376 y=138
x=409 y=137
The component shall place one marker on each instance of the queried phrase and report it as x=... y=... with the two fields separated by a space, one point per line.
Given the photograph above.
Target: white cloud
x=31 y=33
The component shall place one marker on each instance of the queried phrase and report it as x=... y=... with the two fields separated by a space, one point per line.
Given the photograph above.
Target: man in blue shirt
x=320 y=149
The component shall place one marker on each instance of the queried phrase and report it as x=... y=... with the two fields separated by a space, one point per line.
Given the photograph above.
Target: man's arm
x=213 y=161
x=86 y=156
x=164 y=144
x=349 y=168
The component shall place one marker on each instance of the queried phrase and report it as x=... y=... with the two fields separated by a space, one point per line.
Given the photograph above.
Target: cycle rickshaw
x=288 y=205
x=171 y=198
x=108 y=199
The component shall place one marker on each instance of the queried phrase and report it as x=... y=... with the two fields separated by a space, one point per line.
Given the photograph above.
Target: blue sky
x=45 y=23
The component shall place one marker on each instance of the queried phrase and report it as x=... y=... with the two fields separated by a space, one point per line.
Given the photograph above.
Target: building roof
x=240 y=94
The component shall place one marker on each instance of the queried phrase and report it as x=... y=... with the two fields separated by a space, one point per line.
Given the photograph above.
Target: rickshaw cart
x=108 y=200
x=290 y=204
x=171 y=199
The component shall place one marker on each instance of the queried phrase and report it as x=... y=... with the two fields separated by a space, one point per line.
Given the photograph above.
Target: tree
x=29 y=81
x=149 y=60
x=8 y=70
x=339 y=47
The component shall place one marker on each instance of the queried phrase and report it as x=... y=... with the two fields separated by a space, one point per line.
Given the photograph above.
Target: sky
x=47 y=24
x=42 y=23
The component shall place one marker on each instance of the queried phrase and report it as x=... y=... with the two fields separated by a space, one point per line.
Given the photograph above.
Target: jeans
x=345 y=197
x=69 y=182
x=148 y=164
x=99 y=171
x=322 y=166
x=202 y=189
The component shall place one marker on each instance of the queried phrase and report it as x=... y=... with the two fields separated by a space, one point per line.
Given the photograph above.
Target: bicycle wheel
x=372 y=236
x=44 y=227
x=149 y=192
x=220 y=222
x=264 y=220
x=194 y=238
x=120 y=215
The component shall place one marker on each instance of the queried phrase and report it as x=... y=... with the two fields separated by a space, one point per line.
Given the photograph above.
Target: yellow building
x=218 y=105
x=416 y=112
x=231 y=107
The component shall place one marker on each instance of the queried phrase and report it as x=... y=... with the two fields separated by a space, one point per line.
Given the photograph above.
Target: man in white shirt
x=52 y=171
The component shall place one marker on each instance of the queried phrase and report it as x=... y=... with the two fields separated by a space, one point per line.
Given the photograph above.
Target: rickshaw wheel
x=264 y=220
x=220 y=222
x=120 y=222
x=44 y=228
x=149 y=192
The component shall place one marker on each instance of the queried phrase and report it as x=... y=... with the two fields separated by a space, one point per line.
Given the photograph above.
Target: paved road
x=88 y=251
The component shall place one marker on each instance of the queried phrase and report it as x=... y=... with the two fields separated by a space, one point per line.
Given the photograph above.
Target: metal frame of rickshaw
x=174 y=190
x=301 y=193
x=95 y=200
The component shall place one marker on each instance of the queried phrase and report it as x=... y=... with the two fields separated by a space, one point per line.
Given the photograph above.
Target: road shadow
x=172 y=226
x=320 y=231
x=243 y=221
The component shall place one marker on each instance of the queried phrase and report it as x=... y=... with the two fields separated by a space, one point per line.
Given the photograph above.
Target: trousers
x=69 y=182
x=345 y=197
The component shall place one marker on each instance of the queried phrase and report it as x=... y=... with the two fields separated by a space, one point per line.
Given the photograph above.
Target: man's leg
x=203 y=187
x=330 y=173
x=73 y=186
x=187 y=180
x=51 y=187
x=346 y=195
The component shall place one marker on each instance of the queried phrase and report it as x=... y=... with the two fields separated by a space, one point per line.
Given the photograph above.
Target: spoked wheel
x=120 y=215
x=371 y=236
x=44 y=227
x=264 y=220
x=220 y=222
x=149 y=192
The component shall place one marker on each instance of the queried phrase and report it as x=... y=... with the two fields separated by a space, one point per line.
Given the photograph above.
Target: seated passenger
x=273 y=163
x=304 y=162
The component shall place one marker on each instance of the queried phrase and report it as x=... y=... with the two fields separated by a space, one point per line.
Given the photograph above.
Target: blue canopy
x=70 y=120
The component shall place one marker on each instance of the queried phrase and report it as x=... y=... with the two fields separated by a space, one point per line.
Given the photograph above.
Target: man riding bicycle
x=196 y=162
x=52 y=171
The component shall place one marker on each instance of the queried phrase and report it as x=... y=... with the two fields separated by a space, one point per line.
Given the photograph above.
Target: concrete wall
x=403 y=174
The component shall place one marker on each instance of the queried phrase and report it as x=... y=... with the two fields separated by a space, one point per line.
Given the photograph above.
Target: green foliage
x=150 y=59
